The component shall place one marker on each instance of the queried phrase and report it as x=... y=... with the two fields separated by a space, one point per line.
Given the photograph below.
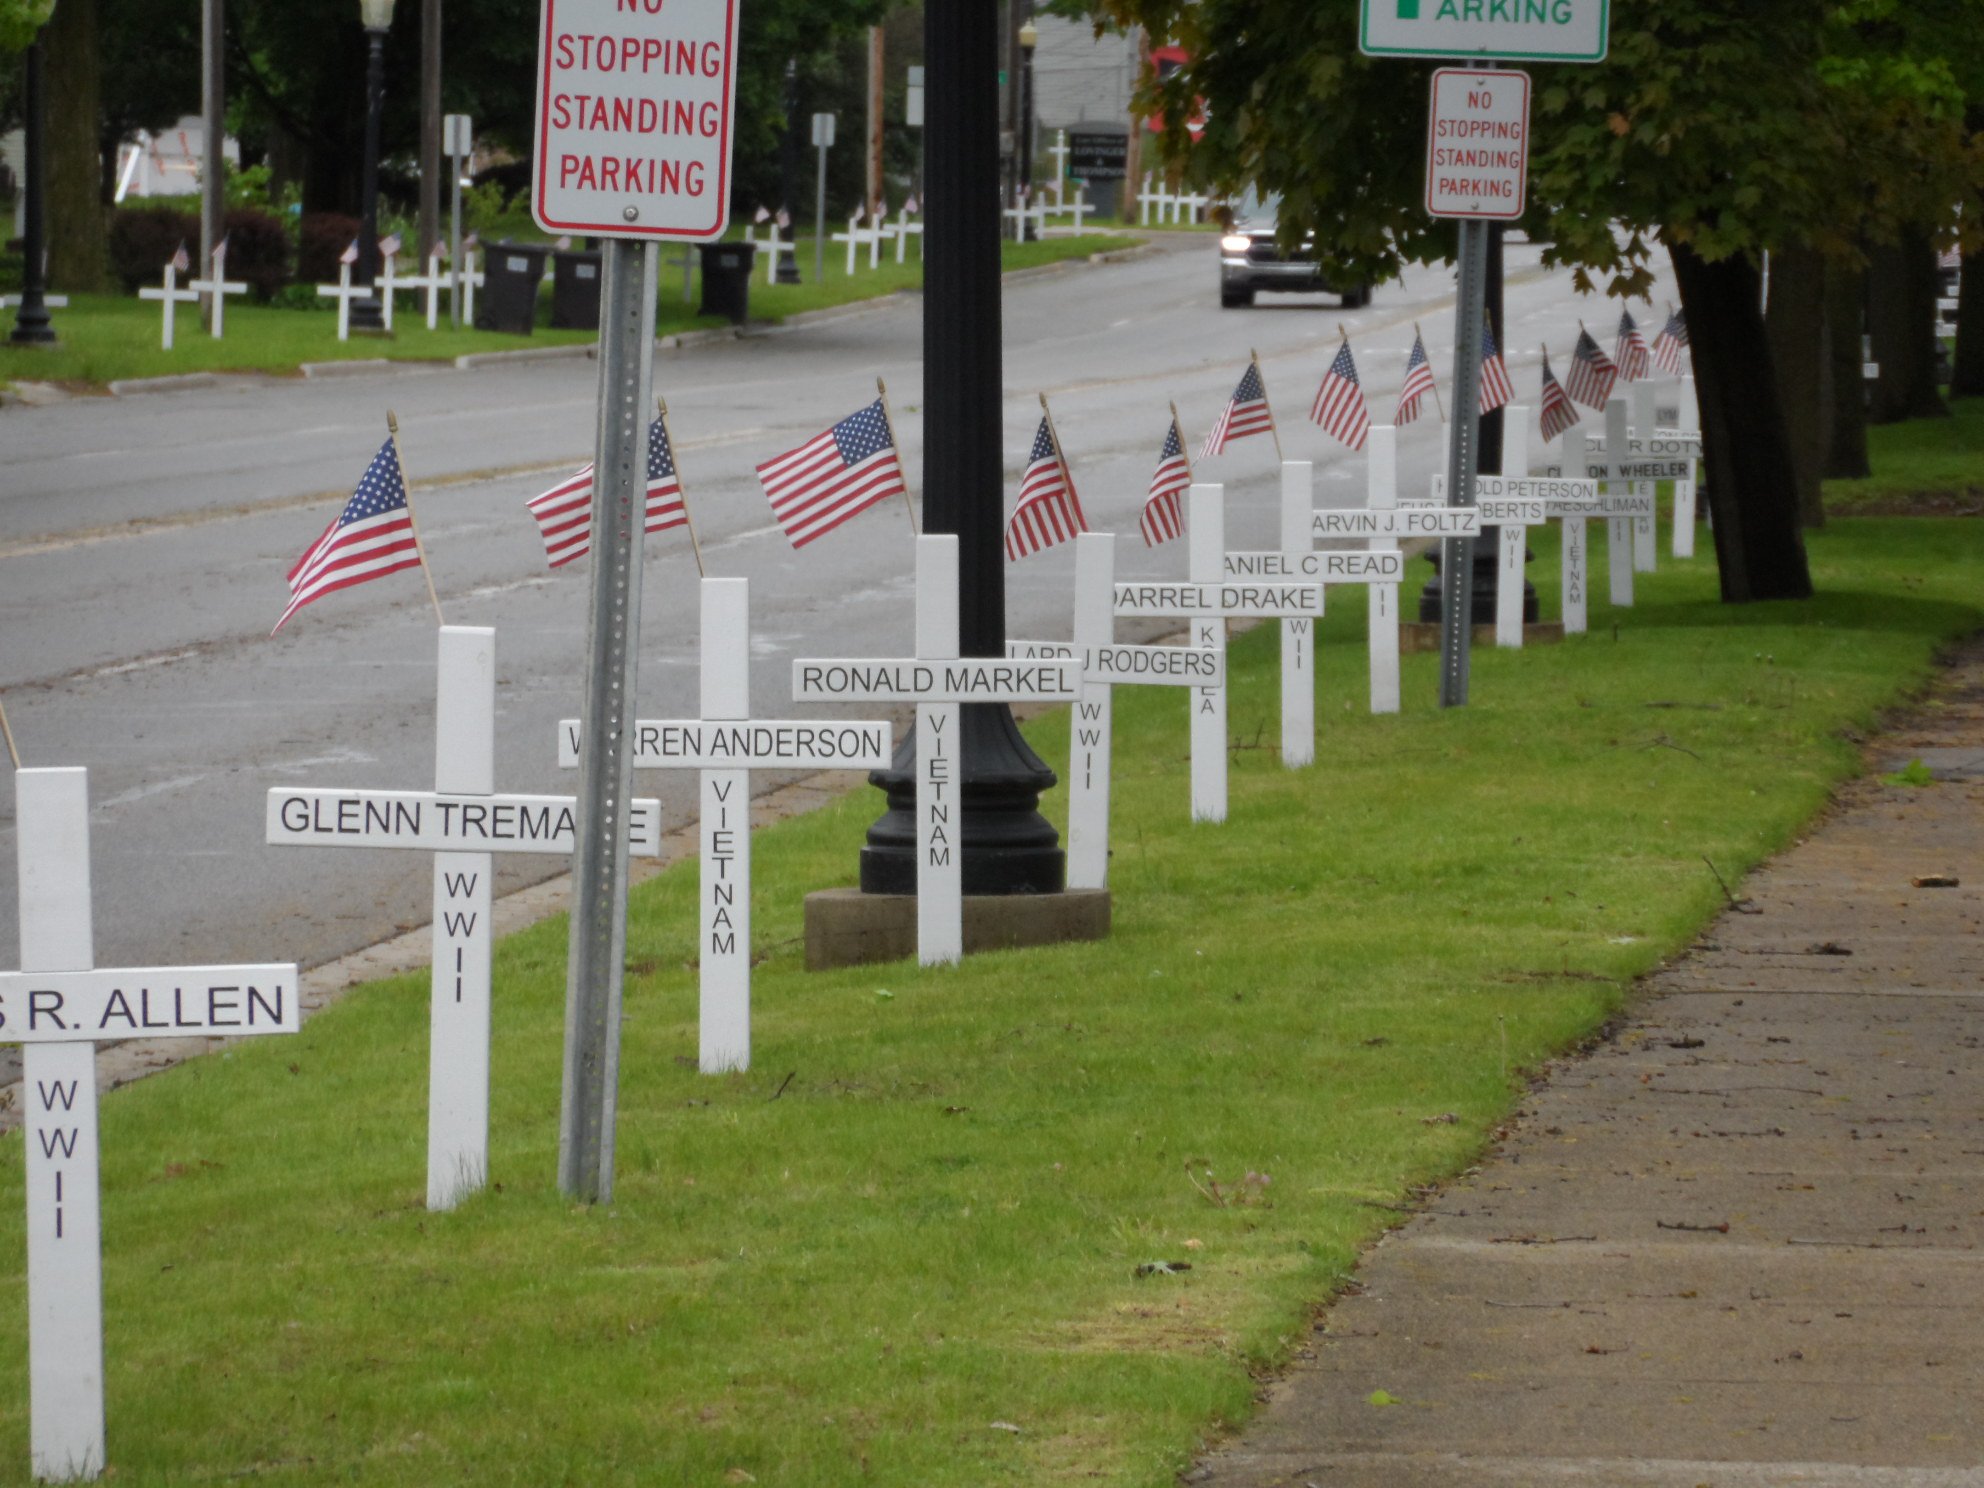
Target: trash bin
x=727 y=280
x=509 y=296
x=575 y=290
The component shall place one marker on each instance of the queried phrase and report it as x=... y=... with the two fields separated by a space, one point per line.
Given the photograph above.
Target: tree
x=20 y=20
x=78 y=235
x=1710 y=129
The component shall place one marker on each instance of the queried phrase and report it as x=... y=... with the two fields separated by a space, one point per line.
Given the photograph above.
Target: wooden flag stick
x=1419 y=337
x=1267 y=403
x=889 y=419
x=1061 y=455
x=1185 y=453
x=12 y=753
x=675 y=455
x=393 y=432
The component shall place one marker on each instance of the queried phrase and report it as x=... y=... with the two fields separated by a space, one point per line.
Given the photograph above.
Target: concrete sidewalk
x=1742 y=1242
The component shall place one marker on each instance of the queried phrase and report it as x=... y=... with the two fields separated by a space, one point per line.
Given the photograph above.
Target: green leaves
x=20 y=20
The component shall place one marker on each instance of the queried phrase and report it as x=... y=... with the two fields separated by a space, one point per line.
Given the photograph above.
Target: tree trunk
x=1846 y=448
x=78 y=232
x=1901 y=315
x=1796 y=325
x=1967 y=377
x=1759 y=547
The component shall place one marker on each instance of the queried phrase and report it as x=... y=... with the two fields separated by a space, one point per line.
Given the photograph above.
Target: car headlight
x=1235 y=243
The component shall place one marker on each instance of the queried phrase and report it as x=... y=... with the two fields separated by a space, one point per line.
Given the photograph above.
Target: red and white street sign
x=1477 y=144
x=634 y=112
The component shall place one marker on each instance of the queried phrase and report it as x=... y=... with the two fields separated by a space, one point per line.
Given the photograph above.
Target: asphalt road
x=143 y=543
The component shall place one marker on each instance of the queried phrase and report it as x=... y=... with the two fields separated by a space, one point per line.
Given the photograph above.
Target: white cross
x=904 y=230
x=1525 y=501
x=1060 y=151
x=171 y=296
x=726 y=744
x=219 y=286
x=344 y=291
x=1509 y=578
x=468 y=279
x=937 y=681
x=1295 y=558
x=1209 y=600
x=857 y=235
x=462 y=821
x=1378 y=525
x=774 y=247
x=1105 y=665
x=430 y=284
x=1151 y=203
x=1023 y=211
x=58 y=1007
x=1608 y=463
x=53 y=302
x=1079 y=207
x=385 y=284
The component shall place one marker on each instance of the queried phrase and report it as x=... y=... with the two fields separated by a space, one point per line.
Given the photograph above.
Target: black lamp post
x=366 y=314
x=788 y=170
x=1029 y=39
x=1009 y=847
x=31 y=327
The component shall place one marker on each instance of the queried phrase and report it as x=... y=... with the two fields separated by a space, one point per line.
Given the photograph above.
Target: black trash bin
x=575 y=290
x=509 y=296
x=727 y=280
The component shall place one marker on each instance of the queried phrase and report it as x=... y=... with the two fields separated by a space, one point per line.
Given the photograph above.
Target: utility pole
x=1133 y=148
x=430 y=127
x=213 y=165
x=874 y=199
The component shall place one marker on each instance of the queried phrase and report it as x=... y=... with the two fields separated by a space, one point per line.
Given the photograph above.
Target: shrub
x=257 y=251
x=143 y=240
x=324 y=237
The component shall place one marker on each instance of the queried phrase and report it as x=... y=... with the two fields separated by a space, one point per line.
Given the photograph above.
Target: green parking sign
x=1498 y=30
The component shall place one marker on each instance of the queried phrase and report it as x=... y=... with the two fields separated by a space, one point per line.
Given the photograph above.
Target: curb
x=134 y=386
x=476 y=359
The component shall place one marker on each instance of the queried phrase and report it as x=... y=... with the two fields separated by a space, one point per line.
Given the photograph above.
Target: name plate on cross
x=1220 y=601
x=442 y=823
x=1328 y=566
x=1394 y=522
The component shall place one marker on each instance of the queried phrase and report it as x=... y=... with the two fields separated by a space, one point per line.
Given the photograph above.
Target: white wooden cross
x=58 y=1007
x=938 y=682
x=1191 y=203
x=1208 y=600
x=468 y=279
x=462 y=821
x=726 y=744
x=774 y=247
x=1060 y=151
x=219 y=286
x=429 y=284
x=855 y=236
x=1079 y=207
x=904 y=229
x=1526 y=501
x=1667 y=453
x=1104 y=665
x=387 y=282
x=344 y=292
x=1296 y=558
x=1609 y=462
x=1509 y=579
x=1151 y=202
x=171 y=296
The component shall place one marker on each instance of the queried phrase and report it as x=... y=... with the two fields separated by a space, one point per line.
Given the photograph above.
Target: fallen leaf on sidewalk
x=1935 y=881
x=1383 y=1397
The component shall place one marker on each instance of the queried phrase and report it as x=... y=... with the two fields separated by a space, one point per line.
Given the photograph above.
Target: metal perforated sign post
x=58 y=1007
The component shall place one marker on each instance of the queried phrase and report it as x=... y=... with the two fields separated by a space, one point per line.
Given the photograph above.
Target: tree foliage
x=20 y=20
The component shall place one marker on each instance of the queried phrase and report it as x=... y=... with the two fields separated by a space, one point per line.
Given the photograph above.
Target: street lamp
x=31 y=327
x=377 y=16
x=1029 y=39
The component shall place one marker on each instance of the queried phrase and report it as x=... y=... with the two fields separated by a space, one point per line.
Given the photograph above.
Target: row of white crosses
x=170 y=296
x=1158 y=204
x=59 y=1006
x=464 y=281
x=879 y=228
x=463 y=822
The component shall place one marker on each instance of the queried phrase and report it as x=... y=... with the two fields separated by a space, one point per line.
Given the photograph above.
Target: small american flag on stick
x=1340 y=407
x=1634 y=356
x=1559 y=413
x=180 y=262
x=1049 y=511
x=564 y=513
x=1418 y=382
x=1670 y=343
x=372 y=537
x=835 y=475
x=1246 y=412
x=1162 y=517
x=1496 y=389
x=1592 y=372
x=350 y=254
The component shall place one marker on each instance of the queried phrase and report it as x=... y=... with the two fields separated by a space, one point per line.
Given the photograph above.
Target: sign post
x=726 y=744
x=938 y=681
x=673 y=70
x=823 y=141
x=458 y=144
x=58 y=1007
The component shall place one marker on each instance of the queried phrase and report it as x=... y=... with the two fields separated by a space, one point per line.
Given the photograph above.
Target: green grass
x=108 y=338
x=922 y=1212
x=1932 y=461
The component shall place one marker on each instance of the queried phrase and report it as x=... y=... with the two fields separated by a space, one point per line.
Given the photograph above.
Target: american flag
x=390 y=245
x=180 y=262
x=350 y=254
x=1592 y=373
x=1247 y=412
x=834 y=476
x=910 y=208
x=784 y=218
x=1559 y=413
x=1339 y=405
x=1634 y=357
x=764 y=215
x=564 y=513
x=220 y=250
x=1496 y=389
x=1162 y=518
x=1049 y=511
x=1670 y=343
x=1418 y=382
x=372 y=537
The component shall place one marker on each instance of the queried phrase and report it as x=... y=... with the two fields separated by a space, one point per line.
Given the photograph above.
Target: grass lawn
x=905 y=1248
x=1931 y=462
x=107 y=338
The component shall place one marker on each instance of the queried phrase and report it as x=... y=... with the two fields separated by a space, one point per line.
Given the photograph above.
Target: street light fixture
x=377 y=16
x=31 y=327
x=1029 y=39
